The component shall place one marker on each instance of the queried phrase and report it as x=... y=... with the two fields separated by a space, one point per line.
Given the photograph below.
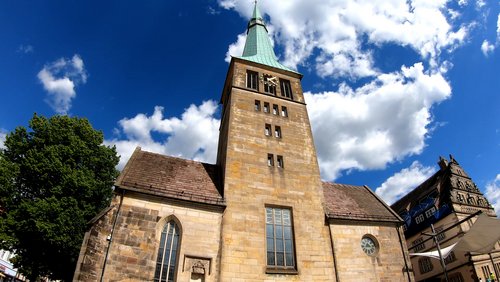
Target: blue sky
x=390 y=85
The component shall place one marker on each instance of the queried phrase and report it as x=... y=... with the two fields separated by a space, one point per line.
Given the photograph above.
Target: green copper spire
x=258 y=46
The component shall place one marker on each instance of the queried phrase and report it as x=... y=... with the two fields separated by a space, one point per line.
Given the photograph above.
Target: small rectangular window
x=270 y=160
x=419 y=219
x=268 y=130
x=430 y=212
x=418 y=245
x=266 y=107
x=275 y=109
x=252 y=80
x=257 y=105
x=425 y=265
x=441 y=236
x=284 y=111
x=279 y=162
x=286 y=89
x=277 y=132
x=450 y=258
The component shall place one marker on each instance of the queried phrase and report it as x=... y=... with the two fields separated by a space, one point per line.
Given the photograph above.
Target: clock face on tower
x=273 y=80
x=270 y=80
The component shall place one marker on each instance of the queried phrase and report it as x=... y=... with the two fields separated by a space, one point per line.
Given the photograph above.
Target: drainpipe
x=333 y=252
x=110 y=237
x=403 y=251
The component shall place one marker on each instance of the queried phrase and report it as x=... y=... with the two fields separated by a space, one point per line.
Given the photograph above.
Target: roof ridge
x=174 y=157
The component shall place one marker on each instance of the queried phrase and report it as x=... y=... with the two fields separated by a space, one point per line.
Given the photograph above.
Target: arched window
x=166 y=263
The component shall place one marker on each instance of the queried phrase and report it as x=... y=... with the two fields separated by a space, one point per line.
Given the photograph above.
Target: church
x=261 y=213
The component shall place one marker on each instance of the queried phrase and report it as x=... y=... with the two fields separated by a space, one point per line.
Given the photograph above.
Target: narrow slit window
x=275 y=109
x=266 y=107
x=279 y=162
x=252 y=80
x=277 y=131
x=270 y=160
x=268 y=130
x=257 y=105
x=284 y=111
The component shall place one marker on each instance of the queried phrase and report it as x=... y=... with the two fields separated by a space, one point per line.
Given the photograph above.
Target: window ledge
x=288 y=271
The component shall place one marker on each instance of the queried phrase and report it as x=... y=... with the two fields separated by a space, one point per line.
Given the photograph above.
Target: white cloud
x=3 y=135
x=378 y=123
x=59 y=79
x=340 y=30
x=193 y=136
x=480 y=4
x=493 y=193
x=236 y=48
x=498 y=27
x=487 y=48
x=404 y=181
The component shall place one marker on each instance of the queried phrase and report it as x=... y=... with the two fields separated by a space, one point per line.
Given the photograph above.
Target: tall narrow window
x=257 y=105
x=284 y=111
x=486 y=271
x=276 y=110
x=277 y=132
x=270 y=160
x=252 y=80
x=270 y=84
x=266 y=107
x=279 y=161
x=286 y=89
x=267 y=130
x=279 y=239
x=166 y=263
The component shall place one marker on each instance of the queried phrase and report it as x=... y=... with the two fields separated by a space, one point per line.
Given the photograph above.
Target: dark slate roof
x=171 y=177
x=350 y=202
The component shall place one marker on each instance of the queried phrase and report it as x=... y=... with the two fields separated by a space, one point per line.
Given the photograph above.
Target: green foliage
x=54 y=178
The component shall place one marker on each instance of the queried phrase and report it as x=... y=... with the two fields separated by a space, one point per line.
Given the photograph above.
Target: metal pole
x=439 y=252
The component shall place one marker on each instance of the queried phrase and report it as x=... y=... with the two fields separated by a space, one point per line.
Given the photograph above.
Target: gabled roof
x=348 y=202
x=258 y=47
x=171 y=177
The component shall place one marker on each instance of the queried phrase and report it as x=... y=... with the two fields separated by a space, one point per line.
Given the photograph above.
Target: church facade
x=261 y=213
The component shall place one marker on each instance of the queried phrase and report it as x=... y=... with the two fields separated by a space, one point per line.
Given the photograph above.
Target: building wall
x=250 y=185
x=470 y=268
x=133 y=252
x=93 y=250
x=354 y=265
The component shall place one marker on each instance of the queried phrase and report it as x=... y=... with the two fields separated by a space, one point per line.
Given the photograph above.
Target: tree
x=54 y=178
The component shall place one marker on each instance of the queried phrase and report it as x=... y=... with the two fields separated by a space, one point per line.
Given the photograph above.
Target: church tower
x=261 y=213
x=274 y=223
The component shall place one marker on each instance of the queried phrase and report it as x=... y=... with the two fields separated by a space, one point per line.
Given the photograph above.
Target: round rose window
x=369 y=245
